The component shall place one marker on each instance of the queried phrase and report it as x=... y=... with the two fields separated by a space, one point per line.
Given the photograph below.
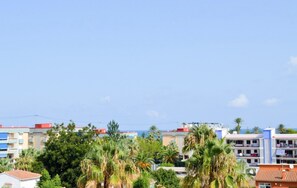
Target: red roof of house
x=22 y=175
x=276 y=176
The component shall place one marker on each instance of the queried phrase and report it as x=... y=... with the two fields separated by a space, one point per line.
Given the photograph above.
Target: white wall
x=8 y=179
x=29 y=183
x=16 y=183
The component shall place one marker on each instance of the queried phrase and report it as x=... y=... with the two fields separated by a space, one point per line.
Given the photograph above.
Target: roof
x=285 y=136
x=22 y=175
x=243 y=136
x=276 y=176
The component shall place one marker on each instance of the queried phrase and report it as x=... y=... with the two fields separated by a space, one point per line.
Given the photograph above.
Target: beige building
x=15 y=139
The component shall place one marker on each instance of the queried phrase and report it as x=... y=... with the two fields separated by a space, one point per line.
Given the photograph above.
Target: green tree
x=64 y=151
x=197 y=136
x=5 y=164
x=238 y=122
x=47 y=182
x=166 y=178
x=150 y=148
x=211 y=163
x=143 y=161
x=170 y=153
x=154 y=133
x=256 y=130
x=113 y=130
x=290 y=131
x=142 y=181
x=108 y=162
x=281 y=129
x=27 y=159
x=248 y=131
x=242 y=177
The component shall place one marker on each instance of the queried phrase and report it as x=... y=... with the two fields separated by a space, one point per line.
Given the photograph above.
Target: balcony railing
x=248 y=155
x=286 y=145
x=246 y=145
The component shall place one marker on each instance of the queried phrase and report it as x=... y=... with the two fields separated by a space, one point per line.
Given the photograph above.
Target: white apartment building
x=265 y=148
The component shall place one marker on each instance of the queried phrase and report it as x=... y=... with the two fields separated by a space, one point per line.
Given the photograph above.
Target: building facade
x=15 y=139
x=255 y=149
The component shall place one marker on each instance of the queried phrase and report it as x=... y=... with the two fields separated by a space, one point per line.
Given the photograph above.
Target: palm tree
x=197 y=136
x=108 y=162
x=26 y=159
x=5 y=164
x=242 y=178
x=281 y=129
x=143 y=162
x=211 y=164
x=238 y=121
x=170 y=153
x=154 y=133
x=256 y=130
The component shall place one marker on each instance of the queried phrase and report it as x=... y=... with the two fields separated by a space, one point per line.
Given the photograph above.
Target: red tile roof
x=276 y=176
x=22 y=175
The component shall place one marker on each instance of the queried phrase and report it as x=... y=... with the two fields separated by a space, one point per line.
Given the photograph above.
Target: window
x=256 y=160
x=255 y=151
x=248 y=161
x=248 y=142
x=239 y=151
x=248 y=151
x=264 y=185
x=290 y=142
x=255 y=142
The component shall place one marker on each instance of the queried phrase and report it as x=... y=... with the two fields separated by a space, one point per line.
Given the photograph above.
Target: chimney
x=284 y=174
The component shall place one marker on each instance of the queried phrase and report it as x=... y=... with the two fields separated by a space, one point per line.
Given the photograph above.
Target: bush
x=167 y=165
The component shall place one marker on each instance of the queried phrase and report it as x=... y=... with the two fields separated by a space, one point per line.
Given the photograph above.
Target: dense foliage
x=5 y=164
x=166 y=178
x=64 y=151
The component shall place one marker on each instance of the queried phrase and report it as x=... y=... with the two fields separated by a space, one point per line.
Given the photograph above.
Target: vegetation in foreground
x=82 y=158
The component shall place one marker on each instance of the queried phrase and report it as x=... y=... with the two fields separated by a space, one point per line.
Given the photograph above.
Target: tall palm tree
x=238 y=122
x=281 y=129
x=197 y=136
x=210 y=164
x=108 y=162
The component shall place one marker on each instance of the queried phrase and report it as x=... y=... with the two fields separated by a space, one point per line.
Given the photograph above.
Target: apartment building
x=255 y=149
x=15 y=139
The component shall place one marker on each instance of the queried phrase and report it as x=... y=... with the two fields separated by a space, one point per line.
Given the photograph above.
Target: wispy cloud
x=153 y=114
x=292 y=65
x=271 y=102
x=293 y=61
x=239 y=102
x=105 y=99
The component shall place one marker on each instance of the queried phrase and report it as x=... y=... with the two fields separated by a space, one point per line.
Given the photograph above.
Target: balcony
x=248 y=155
x=12 y=140
x=246 y=145
x=3 y=152
x=3 y=141
x=282 y=145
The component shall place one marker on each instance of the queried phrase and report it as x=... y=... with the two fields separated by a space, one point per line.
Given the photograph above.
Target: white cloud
x=105 y=99
x=239 y=102
x=153 y=114
x=293 y=61
x=271 y=101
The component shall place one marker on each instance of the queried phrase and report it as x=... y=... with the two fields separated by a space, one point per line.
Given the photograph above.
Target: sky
x=144 y=63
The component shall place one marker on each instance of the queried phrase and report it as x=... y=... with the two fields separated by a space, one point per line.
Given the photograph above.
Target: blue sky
x=148 y=62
